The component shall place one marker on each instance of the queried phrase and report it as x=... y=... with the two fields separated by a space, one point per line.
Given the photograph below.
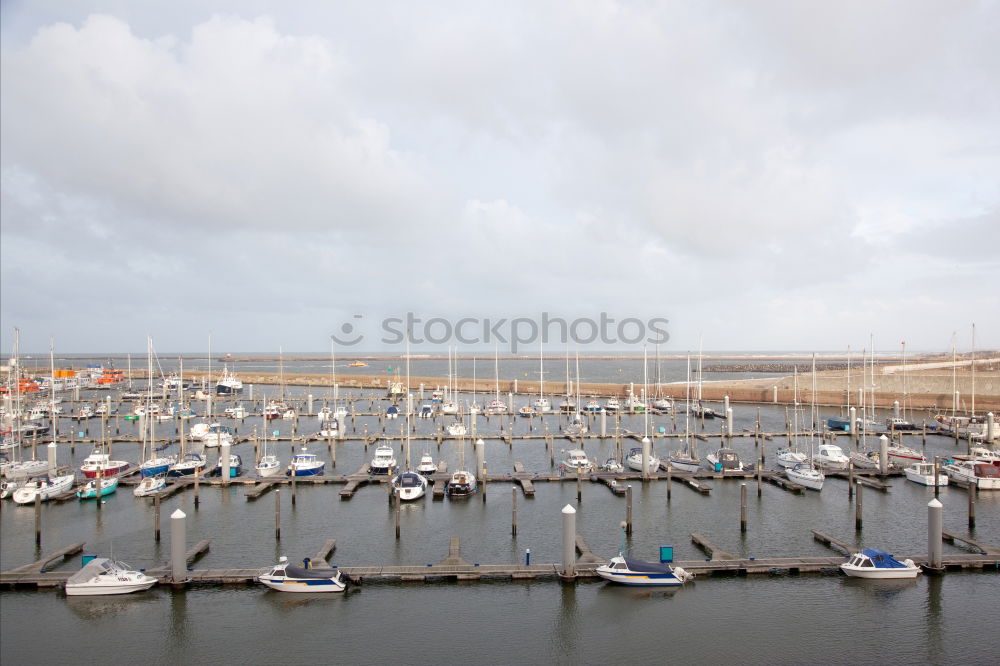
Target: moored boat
x=45 y=488
x=722 y=460
x=427 y=465
x=872 y=563
x=831 y=456
x=461 y=484
x=984 y=475
x=409 y=486
x=806 y=475
x=923 y=473
x=383 y=462
x=628 y=571
x=286 y=578
x=91 y=489
x=98 y=462
x=305 y=464
x=150 y=486
x=188 y=465
x=634 y=460
x=577 y=461
x=102 y=576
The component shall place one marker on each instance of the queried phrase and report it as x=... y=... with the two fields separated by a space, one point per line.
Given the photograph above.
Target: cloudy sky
x=767 y=175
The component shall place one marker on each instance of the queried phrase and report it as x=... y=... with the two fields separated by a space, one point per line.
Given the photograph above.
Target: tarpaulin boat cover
x=647 y=567
x=92 y=568
x=883 y=560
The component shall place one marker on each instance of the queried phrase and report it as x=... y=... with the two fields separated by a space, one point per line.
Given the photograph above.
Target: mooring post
x=569 y=541
x=513 y=511
x=604 y=423
x=156 y=518
x=645 y=458
x=937 y=471
x=226 y=463
x=669 y=481
x=935 y=529
x=883 y=455
x=197 y=500
x=294 y=478
x=277 y=514
x=628 y=509
x=396 y=502
x=178 y=547
x=743 y=507
x=760 y=474
x=853 y=427
x=38 y=519
x=51 y=452
x=857 y=506
x=484 y=481
x=973 y=488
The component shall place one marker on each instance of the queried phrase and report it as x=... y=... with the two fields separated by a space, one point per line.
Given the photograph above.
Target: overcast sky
x=767 y=175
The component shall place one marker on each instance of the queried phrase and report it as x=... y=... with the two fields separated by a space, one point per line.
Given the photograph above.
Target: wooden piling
x=973 y=490
x=850 y=480
x=38 y=519
x=277 y=514
x=743 y=507
x=670 y=481
x=396 y=500
x=857 y=506
x=628 y=509
x=513 y=511
x=294 y=483
x=156 y=518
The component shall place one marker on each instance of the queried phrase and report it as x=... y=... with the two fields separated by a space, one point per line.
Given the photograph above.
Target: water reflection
x=90 y=608
x=881 y=589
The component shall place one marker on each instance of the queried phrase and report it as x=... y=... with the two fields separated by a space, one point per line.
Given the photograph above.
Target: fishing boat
x=577 y=461
x=235 y=466
x=409 y=486
x=983 y=475
x=831 y=456
x=286 y=578
x=722 y=460
x=427 y=465
x=98 y=462
x=923 y=473
x=150 y=486
x=45 y=488
x=872 y=563
x=305 y=464
x=806 y=475
x=461 y=484
x=634 y=460
x=229 y=384
x=384 y=461
x=188 y=465
x=90 y=490
x=628 y=571
x=102 y=576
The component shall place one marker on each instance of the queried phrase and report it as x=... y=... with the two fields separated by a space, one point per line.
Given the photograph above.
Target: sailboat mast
x=973 y=414
x=645 y=384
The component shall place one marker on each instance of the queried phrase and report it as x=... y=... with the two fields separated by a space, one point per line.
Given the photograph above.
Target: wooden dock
x=714 y=552
x=834 y=543
x=57 y=555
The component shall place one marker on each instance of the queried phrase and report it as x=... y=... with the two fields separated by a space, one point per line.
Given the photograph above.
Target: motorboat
x=98 y=462
x=286 y=578
x=305 y=464
x=188 y=465
x=634 y=460
x=437 y=395
x=983 y=454
x=384 y=461
x=409 y=486
x=613 y=465
x=457 y=429
x=611 y=404
x=45 y=487
x=392 y=412
x=790 y=457
x=839 y=423
x=218 y=435
x=229 y=384
x=896 y=424
x=156 y=466
x=923 y=473
x=357 y=364
x=329 y=428
x=8 y=487
x=627 y=571
x=85 y=412
x=235 y=466
x=324 y=414
x=904 y=455
x=593 y=407
x=172 y=382
x=93 y=490
x=984 y=475
x=461 y=484
x=723 y=460
x=102 y=576
x=634 y=404
x=289 y=414
x=150 y=486
x=576 y=428
x=496 y=406
x=237 y=412
x=427 y=465
x=526 y=411
x=542 y=405
x=395 y=390
x=426 y=412
x=831 y=456
x=806 y=475
x=577 y=461
x=872 y=563
x=704 y=412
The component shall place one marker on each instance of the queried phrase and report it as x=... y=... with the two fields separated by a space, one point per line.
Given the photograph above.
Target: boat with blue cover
x=235 y=466
x=627 y=571
x=873 y=563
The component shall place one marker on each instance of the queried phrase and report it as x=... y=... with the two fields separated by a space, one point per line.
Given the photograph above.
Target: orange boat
x=111 y=376
x=357 y=364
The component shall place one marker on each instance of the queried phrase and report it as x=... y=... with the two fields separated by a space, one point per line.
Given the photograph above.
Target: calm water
x=830 y=618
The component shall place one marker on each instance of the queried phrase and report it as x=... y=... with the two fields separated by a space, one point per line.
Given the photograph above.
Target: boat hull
x=878 y=573
x=114 y=468
x=310 y=585
x=100 y=590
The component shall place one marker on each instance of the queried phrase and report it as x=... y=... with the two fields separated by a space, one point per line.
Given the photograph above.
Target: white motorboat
x=904 y=455
x=496 y=406
x=634 y=460
x=806 y=475
x=409 y=486
x=577 y=461
x=199 y=430
x=45 y=488
x=611 y=404
x=384 y=461
x=592 y=407
x=722 y=460
x=392 y=412
x=983 y=475
x=218 y=435
x=426 y=411
x=526 y=411
x=286 y=578
x=613 y=465
x=923 y=473
x=150 y=486
x=872 y=563
x=305 y=464
x=542 y=405
x=627 y=571
x=288 y=414
x=427 y=465
x=324 y=414
x=831 y=456
x=188 y=465
x=457 y=429
x=461 y=484
x=790 y=457
x=237 y=412
x=101 y=576
x=329 y=428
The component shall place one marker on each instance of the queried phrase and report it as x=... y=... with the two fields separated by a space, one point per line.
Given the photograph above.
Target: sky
x=763 y=176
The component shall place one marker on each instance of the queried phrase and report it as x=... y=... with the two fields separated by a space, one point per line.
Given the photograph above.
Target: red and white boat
x=98 y=462
x=904 y=455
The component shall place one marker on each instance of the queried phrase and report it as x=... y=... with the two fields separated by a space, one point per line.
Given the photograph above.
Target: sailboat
x=19 y=470
x=268 y=465
x=44 y=487
x=408 y=485
x=97 y=488
x=542 y=403
x=806 y=474
x=790 y=456
x=449 y=404
x=497 y=406
x=567 y=404
x=578 y=426
x=686 y=460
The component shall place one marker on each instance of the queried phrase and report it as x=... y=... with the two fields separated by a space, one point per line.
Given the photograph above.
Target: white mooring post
x=569 y=541
x=645 y=457
x=178 y=546
x=224 y=457
x=935 y=528
x=883 y=454
x=51 y=449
